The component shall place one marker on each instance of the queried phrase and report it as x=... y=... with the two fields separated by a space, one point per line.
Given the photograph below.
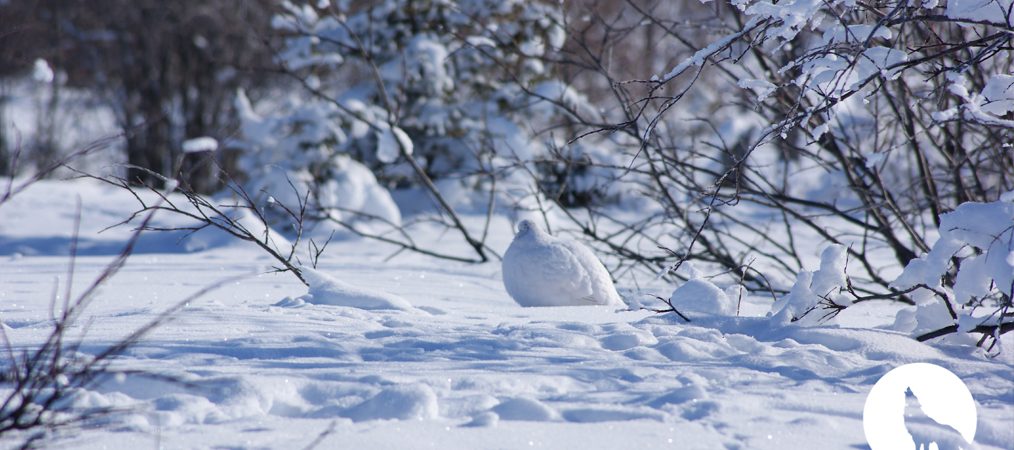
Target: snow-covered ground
x=463 y=367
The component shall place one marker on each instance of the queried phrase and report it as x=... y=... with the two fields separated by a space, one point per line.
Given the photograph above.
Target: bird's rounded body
x=542 y=270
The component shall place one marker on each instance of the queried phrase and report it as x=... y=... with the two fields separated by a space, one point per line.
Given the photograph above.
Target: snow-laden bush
x=964 y=282
x=458 y=79
x=781 y=127
x=292 y=162
x=776 y=128
x=451 y=98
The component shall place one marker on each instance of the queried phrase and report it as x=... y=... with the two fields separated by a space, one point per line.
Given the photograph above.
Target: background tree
x=168 y=70
x=860 y=125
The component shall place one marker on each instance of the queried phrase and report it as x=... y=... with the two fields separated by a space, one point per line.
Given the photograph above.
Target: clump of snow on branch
x=855 y=50
x=993 y=11
x=390 y=142
x=425 y=66
x=981 y=237
x=990 y=106
x=801 y=304
x=200 y=144
x=763 y=88
x=42 y=72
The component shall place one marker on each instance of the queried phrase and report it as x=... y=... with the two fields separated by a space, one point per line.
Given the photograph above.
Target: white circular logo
x=919 y=406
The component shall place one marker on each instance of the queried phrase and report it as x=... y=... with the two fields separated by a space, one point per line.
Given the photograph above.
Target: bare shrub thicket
x=739 y=136
x=237 y=215
x=774 y=126
x=742 y=137
x=39 y=384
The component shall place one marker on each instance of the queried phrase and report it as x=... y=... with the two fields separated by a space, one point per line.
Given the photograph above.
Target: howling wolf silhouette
x=914 y=413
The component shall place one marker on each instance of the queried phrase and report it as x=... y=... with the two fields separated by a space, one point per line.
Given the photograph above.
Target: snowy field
x=463 y=367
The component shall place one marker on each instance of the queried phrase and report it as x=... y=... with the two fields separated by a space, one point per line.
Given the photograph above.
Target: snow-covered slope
x=464 y=368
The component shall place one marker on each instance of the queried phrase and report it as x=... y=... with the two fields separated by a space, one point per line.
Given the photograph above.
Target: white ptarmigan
x=542 y=270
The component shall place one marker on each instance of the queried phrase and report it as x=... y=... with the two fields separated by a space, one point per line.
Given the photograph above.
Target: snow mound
x=325 y=290
x=701 y=296
x=486 y=419
x=417 y=401
x=543 y=270
x=627 y=340
x=528 y=409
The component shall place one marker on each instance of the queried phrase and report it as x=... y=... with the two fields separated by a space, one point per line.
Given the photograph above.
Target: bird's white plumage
x=542 y=270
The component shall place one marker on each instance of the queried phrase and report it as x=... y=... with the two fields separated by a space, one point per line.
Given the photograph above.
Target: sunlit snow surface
x=464 y=368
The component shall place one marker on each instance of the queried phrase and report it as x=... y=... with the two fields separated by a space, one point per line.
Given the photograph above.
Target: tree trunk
x=6 y=164
x=147 y=148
